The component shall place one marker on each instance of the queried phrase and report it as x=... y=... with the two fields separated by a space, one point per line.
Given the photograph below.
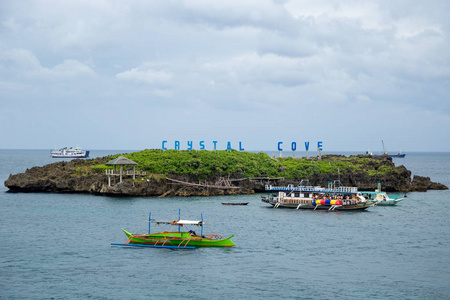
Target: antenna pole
x=201 y=234
x=149 y=221
x=179 y=218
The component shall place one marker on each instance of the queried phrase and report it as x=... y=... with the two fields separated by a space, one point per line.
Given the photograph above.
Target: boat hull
x=397 y=155
x=177 y=239
x=353 y=207
x=70 y=156
x=391 y=155
x=388 y=202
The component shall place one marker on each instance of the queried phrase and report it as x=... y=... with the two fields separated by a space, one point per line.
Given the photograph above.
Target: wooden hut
x=120 y=161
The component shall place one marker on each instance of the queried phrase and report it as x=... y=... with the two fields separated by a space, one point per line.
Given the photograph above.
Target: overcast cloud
x=130 y=74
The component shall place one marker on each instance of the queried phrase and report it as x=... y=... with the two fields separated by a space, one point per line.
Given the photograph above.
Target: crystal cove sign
x=202 y=146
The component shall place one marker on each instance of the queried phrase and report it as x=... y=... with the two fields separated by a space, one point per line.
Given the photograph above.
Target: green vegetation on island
x=202 y=164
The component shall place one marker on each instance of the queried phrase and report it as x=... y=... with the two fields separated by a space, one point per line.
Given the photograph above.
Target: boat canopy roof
x=188 y=222
x=313 y=189
x=181 y=222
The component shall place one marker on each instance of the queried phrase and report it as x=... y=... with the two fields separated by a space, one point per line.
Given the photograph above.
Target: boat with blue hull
x=401 y=155
x=398 y=155
x=395 y=155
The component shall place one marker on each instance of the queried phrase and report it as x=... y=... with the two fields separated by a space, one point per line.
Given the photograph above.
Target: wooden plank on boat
x=151 y=246
x=234 y=203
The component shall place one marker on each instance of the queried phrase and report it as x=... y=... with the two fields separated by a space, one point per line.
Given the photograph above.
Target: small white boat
x=65 y=152
x=382 y=198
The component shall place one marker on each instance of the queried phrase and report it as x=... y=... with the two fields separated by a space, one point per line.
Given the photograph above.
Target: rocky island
x=193 y=172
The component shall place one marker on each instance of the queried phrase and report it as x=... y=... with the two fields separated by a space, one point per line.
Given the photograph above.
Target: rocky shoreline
x=75 y=177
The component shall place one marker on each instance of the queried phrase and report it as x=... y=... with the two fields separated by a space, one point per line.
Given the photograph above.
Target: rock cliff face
x=76 y=177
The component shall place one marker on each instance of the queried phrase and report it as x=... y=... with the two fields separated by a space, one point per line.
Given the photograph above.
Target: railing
x=295 y=201
x=130 y=173
x=342 y=189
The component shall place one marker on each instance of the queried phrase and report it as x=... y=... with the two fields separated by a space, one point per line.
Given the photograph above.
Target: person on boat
x=347 y=200
x=192 y=233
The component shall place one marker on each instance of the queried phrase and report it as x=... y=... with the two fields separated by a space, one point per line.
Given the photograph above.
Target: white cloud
x=146 y=74
x=70 y=68
x=25 y=62
x=366 y=14
x=21 y=58
x=413 y=26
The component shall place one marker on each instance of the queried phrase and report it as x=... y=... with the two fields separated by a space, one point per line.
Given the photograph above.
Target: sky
x=131 y=74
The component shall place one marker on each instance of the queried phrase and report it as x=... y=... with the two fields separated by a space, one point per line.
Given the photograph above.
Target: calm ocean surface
x=57 y=246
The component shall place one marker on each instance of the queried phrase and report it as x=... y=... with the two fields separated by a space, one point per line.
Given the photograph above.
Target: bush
x=204 y=163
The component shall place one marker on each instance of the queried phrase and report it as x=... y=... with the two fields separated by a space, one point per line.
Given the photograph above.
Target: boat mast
x=179 y=218
x=149 y=221
x=201 y=234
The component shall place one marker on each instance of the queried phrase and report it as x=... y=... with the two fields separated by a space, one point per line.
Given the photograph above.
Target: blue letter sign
x=279 y=146
x=294 y=146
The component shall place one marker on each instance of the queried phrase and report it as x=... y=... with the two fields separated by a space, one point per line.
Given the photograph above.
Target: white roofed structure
x=120 y=161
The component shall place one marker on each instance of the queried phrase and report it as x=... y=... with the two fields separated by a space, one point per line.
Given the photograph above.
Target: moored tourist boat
x=65 y=152
x=382 y=198
x=305 y=196
x=176 y=239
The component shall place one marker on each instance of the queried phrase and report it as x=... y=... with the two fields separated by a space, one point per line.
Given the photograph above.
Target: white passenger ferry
x=76 y=152
x=305 y=196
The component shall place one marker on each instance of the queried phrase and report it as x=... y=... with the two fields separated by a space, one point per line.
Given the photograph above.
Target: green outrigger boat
x=175 y=239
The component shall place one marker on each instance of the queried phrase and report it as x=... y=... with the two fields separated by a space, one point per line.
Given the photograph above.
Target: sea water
x=58 y=246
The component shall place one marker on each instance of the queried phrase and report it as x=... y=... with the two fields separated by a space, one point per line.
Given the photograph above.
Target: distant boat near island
x=400 y=154
x=65 y=152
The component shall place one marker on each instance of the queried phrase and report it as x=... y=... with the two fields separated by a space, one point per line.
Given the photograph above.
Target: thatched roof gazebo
x=120 y=161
